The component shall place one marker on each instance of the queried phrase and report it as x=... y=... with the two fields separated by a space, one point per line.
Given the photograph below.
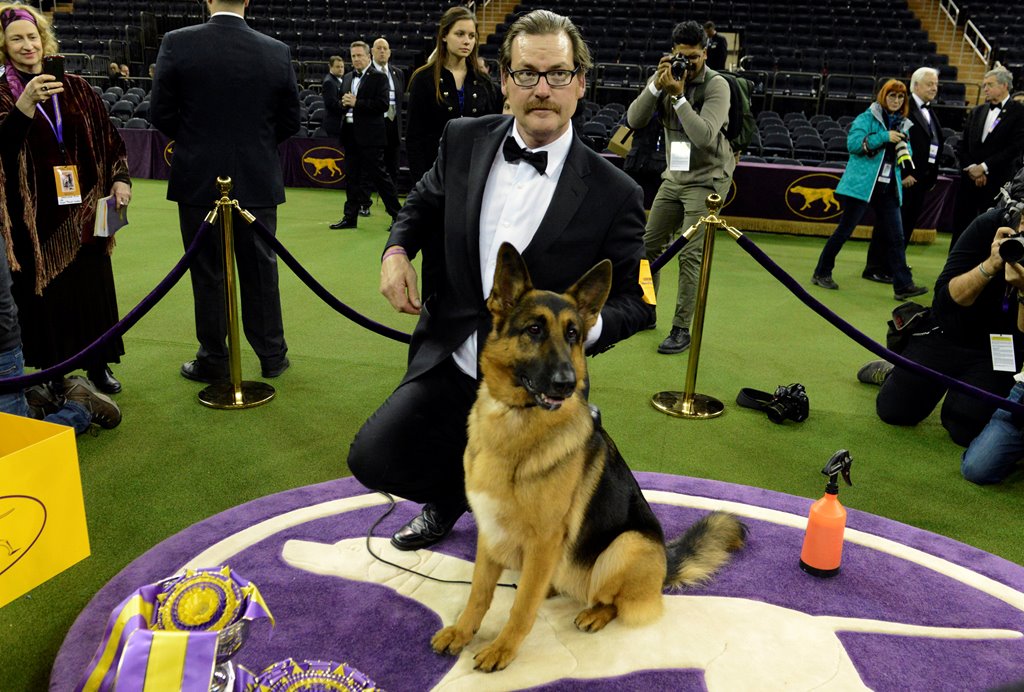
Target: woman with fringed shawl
x=63 y=279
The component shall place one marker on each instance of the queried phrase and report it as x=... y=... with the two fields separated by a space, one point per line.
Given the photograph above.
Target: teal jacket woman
x=867 y=143
x=872 y=179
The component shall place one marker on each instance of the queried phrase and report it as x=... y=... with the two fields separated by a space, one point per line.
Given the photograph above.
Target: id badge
x=68 y=189
x=1002 y=352
x=933 y=153
x=886 y=175
x=679 y=156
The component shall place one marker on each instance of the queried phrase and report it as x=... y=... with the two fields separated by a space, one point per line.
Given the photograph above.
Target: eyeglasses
x=554 y=78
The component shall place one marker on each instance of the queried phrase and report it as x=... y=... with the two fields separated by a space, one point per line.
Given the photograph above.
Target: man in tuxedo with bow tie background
x=989 y=150
x=926 y=140
x=527 y=180
x=364 y=135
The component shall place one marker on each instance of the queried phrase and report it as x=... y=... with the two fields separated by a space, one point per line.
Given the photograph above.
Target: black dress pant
x=364 y=166
x=907 y=398
x=971 y=201
x=413 y=444
x=391 y=149
x=257 y=286
x=913 y=202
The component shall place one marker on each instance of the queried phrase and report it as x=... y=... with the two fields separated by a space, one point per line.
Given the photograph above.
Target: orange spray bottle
x=823 y=541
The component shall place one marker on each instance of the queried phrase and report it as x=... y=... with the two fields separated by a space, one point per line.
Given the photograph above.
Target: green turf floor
x=173 y=462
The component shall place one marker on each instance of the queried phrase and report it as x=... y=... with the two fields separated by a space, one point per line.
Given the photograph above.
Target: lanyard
x=58 y=129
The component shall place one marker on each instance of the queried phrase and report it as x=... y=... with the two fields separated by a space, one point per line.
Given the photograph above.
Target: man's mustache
x=543 y=105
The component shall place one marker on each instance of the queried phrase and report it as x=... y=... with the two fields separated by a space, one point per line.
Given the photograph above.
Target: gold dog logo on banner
x=813 y=197
x=321 y=165
x=169 y=152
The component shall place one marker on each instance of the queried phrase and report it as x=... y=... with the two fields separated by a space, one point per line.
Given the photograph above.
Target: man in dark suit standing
x=364 y=135
x=330 y=89
x=926 y=140
x=396 y=91
x=989 y=149
x=527 y=180
x=227 y=95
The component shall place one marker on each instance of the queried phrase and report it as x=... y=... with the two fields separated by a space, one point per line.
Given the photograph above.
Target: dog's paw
x=450 y=640
x=494 y=657
x=596 y=617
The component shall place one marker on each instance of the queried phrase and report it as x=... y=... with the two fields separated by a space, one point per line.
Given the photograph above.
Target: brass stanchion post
x=687 y=403
x=235 y=394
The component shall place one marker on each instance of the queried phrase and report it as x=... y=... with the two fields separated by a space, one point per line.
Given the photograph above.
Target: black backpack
x=742 y=125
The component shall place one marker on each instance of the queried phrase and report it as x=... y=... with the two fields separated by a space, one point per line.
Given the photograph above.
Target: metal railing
x=952 y=13
x=974 y=39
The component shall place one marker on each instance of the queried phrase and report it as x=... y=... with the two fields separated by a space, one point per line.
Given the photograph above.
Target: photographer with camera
x=693 y=108
x=877 y=142
x=979 y=298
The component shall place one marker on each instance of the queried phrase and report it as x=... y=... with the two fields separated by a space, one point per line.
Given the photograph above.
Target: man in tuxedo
x=527 y=180
x=330 y=89
x=989 y=150
x=364 y=136
x=227 y=95
x=926 y=140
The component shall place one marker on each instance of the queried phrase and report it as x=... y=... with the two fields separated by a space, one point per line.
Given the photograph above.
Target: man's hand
x=975 y=171
x=909 y=181
x=348 y=100
x=995 y=262
x=981 y=181
x=1014 y=275
x=663 y=78
x=398 y=283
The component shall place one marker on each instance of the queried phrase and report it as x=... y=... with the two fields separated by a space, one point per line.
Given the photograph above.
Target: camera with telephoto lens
x=788 y=403
x=678 y=67
x=1012 y=248
x=903 y=158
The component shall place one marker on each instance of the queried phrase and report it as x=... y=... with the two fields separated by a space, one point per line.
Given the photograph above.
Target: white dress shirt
x=391 y=89
x=516 y=198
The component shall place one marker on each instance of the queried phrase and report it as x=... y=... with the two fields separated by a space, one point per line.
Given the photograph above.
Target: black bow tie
x=513 y=153
x=926 y=106
x=994 y=106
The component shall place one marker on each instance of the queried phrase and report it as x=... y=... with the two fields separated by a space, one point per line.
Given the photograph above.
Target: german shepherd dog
x=551 y=495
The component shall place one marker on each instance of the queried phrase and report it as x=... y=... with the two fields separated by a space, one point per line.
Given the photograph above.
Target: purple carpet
x=910 y=610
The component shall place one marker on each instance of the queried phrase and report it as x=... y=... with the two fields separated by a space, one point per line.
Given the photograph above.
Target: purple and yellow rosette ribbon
x=291 y=675
x=165 y=636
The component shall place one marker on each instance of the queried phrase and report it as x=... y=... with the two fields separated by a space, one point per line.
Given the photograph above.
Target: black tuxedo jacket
x=920 y=141
x=367 y=126
x=330 y=89
x=399 y=79
x=1001 y=150
x=227 y=95
x=596 y=213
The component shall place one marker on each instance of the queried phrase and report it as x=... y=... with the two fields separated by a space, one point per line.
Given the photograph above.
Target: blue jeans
x=887 y=222
x=993 y=454
x=72 y=414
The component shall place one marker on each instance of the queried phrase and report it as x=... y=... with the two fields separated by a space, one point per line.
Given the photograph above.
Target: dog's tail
x=696 y=555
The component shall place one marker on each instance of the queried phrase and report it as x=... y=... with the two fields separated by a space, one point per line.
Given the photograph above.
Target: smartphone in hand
x=54 y=65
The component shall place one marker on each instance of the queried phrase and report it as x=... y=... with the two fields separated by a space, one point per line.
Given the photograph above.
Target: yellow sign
x=813 y=197
x=42 y=512
x=323 y=165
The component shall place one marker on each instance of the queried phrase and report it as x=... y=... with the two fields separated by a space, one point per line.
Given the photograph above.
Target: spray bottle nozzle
x=839 y=463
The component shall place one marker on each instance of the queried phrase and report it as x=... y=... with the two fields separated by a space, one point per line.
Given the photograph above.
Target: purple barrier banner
x=764 y=197
x=305 y=161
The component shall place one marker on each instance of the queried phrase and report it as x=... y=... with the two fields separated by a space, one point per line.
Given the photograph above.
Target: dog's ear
x=592 y=290
x=511 y=280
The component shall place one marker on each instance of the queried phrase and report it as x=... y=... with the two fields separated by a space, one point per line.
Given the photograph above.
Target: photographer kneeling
x=979 y=298
x=694 y=110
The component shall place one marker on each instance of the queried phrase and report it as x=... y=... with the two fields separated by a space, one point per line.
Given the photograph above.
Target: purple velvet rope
x=871 y=345
x=325 y=295
x=671 y=250
x=127 y=322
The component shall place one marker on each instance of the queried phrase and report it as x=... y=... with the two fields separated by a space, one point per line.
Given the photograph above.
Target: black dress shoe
x=878 y=277
x=193 y=370
x=426 y=529
x=344 y=223
x=276 y=370
x=104 y=380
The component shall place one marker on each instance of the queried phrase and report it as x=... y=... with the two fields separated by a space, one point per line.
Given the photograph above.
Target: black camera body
x=1012 y=248
x=788 y=403
x=678 y=67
